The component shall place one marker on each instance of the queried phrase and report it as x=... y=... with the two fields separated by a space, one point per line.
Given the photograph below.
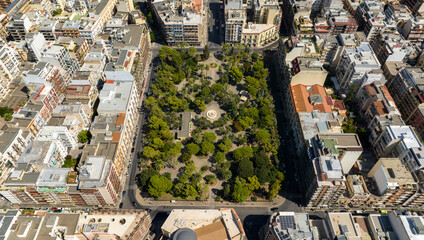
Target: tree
x=219 y=157
x=7 y=117
x=261 y=159
x=84 y=136
x=207 y=147
x=209 y=137
x=202 y=123
x=193 y=148
x=210 y=179
x=158 y=185
x=70 y=162
x=263 y=136
x=199 y=105
x=226 y=49
x=245 y=168
x=253 y=183
x=217 y=87
x=149 y=152
x=225 y=144
x=243 y=153
x=186 y=157
x=144 y=177
x=274 y=189
x=235 y=74
x=240 y=191
x=192 y=52
x=206 y=53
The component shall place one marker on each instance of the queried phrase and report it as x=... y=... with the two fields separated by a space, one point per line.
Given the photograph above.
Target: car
x=274 y=209
x=128 y=174
x=135 y=204
x=121 y=205
x=124 y=193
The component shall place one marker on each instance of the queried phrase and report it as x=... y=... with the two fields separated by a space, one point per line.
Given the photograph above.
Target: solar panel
x=287 y=222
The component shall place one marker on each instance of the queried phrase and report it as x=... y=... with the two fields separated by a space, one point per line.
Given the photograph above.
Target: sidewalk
x=146 y=202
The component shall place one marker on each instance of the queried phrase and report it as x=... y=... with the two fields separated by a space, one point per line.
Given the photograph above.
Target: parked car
x=121 y=205
x=135 y=204
x=124 y=193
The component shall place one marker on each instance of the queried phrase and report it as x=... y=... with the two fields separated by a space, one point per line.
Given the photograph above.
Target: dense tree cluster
x=243 y=142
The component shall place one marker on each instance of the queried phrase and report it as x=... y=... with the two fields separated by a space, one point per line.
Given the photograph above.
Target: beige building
x=186 y=224
x=257 y=35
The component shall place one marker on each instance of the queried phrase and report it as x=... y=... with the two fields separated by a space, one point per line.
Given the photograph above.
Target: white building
x=9 y=67
x=60 y=133
x=12 y=144
x=354 y=63
x=395 y=141
x=407 y=227
x=89 y=28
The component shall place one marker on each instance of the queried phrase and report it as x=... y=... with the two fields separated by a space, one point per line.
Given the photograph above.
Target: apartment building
x=78 y=47
x=30 y=118
x=60 y=133
x=73 y=116
x=181 y=21
x=370 y=15
x=119 y=98
x=413 y=29
x=60 y=57
x=47 y=28
x=342 y=225
x=329 y=184
x=90 y=28
x=18 y=26
x=105 y=9
x=71 y=29
x=346 y=147
x=45 y=72
x=416 y=7
x=4 y=4
x=9 y=67
x=395 y=141
x=354 y=63
x=98 y=178
x=336 y=25
x=13 y=142
x=376 y=104
x=380 y=226
x=257 y=35
x=391 y=48
x=406 y=226
x=394 y=182
x=235 y=19
x=357 y=190
x=289 y=225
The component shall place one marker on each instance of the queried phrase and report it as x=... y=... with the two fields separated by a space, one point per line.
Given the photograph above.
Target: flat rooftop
x=67 y=221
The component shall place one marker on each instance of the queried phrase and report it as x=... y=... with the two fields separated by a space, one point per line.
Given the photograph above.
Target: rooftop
x=311 y=98
x=202 y=220
x=94 y=171
x=52 y=177
x=341 y=223
x=52 y=222
x=115 y=96
x=291 y=224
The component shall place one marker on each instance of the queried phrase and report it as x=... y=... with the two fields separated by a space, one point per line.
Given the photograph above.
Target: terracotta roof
x=79 y=90
x=120 y=120
x=116 y=136
x=379 y=106
x=386 y=93
x=302 y=97
x=371 y=89
x=339 y=105
x=212 y=231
